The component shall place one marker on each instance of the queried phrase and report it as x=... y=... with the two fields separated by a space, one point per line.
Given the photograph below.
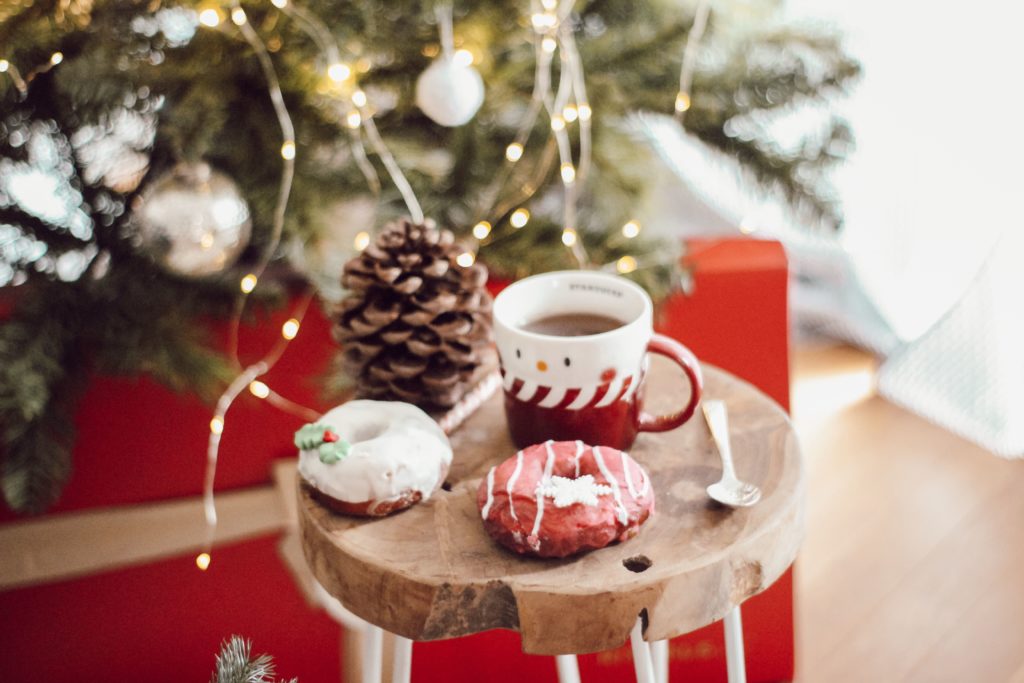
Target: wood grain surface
x=431 y=572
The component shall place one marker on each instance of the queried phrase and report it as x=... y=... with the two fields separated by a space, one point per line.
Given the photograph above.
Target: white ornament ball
x=449 y=92
x=193 y=221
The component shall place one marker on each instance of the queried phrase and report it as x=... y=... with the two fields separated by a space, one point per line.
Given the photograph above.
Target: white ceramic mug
x=585 y=387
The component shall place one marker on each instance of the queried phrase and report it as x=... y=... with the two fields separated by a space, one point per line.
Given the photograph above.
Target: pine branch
x=235 y=664
x=39 y=380
x=37 y=462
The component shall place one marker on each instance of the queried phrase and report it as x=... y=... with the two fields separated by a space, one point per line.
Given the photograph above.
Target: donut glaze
x=395 y=455
x=557 y=499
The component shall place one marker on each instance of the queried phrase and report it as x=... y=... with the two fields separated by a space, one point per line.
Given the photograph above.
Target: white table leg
x=641 y=654
x=659 y=653
x=401 y=669
x=735 y=660
x=373 y=653
x=568 y=669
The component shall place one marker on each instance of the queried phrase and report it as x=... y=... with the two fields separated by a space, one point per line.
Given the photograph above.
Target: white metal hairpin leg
x=401 y=669
x=659 y=653
x=735 y=661
x=568 y=669
x=641 y=654
x=373 y=653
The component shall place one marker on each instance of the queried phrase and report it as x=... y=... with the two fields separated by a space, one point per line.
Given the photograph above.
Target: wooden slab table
x=431 y=572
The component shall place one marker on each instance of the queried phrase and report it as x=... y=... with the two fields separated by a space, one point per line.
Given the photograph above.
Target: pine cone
x=415 y=324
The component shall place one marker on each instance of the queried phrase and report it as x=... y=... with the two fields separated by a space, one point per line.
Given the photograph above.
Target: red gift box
x=164 y=620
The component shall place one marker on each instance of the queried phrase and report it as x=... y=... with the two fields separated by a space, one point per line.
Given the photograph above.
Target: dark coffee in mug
x=573 y=325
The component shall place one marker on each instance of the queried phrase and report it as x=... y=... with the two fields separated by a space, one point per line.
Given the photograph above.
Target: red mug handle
x=685 y=359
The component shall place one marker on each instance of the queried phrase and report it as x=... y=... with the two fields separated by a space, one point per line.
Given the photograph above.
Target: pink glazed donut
x=557 y=499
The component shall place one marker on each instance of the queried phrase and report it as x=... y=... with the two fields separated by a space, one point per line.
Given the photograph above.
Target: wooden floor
x=913 y=567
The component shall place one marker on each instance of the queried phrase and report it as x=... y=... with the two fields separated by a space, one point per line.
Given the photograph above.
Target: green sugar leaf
x=333 y=451
x=309 y=436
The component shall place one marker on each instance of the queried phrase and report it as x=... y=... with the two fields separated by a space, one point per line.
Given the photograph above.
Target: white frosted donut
x=373 y=457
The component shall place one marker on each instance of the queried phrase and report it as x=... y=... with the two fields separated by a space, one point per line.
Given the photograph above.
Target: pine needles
x=235 y=664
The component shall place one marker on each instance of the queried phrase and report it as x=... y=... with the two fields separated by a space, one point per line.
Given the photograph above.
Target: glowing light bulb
x=56 y=58
x=290 y=329
x=631 y=229
x=570 y=113
x=248 y=283
x=288 y=150
x=354 y=119
x=682 y=101
x=259 y=389
x=361 y=241
x=569 y=237
x=568 y=174
x=514 y=152
x=203 y=561
x=626 y=264
x=217 y=425
x=481 y=230
x=519 y=218
x=338 y=72
x=585 y=112
x=238 y=16
x=209 y=17
x=465 y=259
x=549 y=5
x=548 y=44
x=359 y=98
x=279 y=4
x=4 y=65
x=557 y=123
x=463 y=57
x=543 y=21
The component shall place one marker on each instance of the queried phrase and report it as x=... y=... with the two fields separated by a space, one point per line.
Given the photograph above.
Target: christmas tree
x=154 y=155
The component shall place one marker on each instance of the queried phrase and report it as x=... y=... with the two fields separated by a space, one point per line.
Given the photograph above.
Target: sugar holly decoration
x=330 y=447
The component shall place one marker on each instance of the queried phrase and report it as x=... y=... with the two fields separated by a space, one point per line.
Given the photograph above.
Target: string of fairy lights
x=566 y=107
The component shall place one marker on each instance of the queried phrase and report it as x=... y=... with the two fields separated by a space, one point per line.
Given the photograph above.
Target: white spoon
x=729 y=490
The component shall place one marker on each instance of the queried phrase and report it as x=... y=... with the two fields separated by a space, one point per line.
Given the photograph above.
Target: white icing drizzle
x=490 y=494
x=544 y=480
x=512 y=482
x=623 y=514
x=647 y=482
x=565 y=492
x=629 y=477
x=576 y=460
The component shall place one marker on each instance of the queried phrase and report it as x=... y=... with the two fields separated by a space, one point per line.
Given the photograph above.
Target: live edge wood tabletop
x=432 y=572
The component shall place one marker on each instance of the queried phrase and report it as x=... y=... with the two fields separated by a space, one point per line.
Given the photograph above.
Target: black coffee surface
x=572 y=325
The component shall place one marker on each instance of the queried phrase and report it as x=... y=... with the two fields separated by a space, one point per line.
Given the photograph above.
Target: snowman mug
x=573 y=349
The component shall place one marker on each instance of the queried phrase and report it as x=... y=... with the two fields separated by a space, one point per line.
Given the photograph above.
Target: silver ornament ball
x=193 y=221
x=450 y=92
